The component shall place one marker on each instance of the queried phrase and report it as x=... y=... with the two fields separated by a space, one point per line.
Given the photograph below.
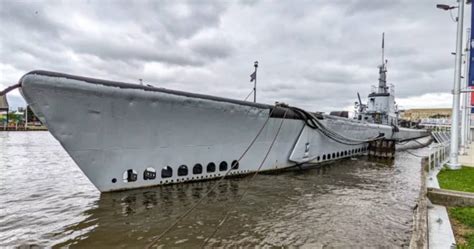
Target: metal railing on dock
x=439 y=152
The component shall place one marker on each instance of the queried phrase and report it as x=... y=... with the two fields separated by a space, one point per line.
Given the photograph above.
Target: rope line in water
x=168 y=229
x=250 y=180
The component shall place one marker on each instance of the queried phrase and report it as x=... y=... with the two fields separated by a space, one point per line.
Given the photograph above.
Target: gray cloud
x=314 y=54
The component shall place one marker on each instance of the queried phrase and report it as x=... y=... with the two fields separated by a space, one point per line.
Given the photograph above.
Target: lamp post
x=453 y=156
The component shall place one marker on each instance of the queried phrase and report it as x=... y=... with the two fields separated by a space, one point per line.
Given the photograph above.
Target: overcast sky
x=314 y=54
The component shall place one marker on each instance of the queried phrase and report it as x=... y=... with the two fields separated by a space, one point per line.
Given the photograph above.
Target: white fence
x=439 y=152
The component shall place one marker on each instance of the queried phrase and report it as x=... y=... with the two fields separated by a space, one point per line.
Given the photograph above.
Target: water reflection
x=319 y=206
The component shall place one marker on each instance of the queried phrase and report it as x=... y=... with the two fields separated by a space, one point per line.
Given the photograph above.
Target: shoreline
x=3 y=129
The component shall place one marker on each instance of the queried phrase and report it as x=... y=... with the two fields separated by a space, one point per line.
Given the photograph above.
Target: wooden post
x=384 y=148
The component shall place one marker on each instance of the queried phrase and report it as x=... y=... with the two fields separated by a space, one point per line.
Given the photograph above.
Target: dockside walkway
x=440 y=231
x=468 y=160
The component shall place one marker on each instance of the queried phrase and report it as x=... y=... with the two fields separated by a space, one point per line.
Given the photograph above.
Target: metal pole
x=26 y=118
x=8 y=120
x=255 y=83
x=462 y=150
x=469 y=134
x=467 y=116
x=453 y=158
x=468 y=95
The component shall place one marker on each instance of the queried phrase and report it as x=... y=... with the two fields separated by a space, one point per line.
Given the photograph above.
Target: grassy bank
x=462 y=219
x=460 y=180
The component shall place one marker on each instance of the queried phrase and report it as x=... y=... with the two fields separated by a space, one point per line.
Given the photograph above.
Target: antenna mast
x=383 y=48
x=383 y=70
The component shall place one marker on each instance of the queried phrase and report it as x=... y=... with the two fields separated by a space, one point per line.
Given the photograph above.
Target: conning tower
x=381 y=107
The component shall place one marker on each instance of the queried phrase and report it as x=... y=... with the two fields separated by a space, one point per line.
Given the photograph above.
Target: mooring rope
x=250 y=180
x=168 y=229
x=314 y=123
x=248 y=95
x=414 y=140
x=9 y=89
x=309 y=120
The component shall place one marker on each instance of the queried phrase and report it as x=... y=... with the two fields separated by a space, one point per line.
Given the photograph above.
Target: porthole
x=130 y=175
x=114 y=180
x=149 y=174
x=166 y=172
x=183 y=170
x=197 y=169
x=223 y=166
x=211 y=167
x=235 y=164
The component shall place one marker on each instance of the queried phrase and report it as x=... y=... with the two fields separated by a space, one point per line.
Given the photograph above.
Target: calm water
x=47 y=201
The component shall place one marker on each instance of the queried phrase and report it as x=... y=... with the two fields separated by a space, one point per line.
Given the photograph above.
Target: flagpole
x=255 y=83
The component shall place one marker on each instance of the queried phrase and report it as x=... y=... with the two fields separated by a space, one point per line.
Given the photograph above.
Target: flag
x=253 y=76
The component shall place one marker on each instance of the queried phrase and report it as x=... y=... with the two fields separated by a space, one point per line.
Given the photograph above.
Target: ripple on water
x=47 y=201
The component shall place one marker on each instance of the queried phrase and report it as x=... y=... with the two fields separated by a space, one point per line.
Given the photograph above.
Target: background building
x=416 y=115
x=3 y=110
